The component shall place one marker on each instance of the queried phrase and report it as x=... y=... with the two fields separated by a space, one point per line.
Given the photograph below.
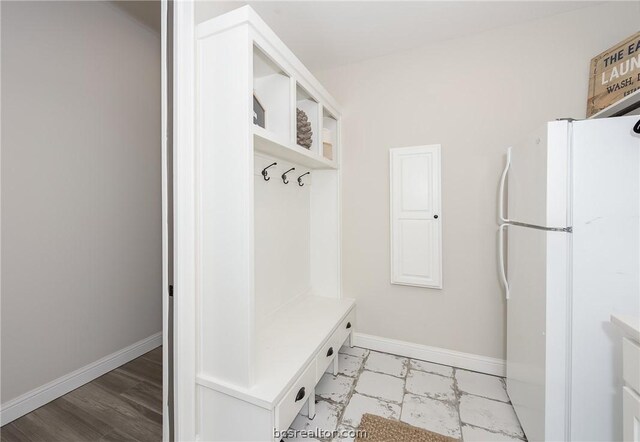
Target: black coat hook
x=636 y=128
x=284 y=175
x=300 y=183
x=265 y=174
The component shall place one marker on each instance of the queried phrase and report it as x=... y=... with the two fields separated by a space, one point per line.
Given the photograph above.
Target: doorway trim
x=184 y=229
x=165 y=221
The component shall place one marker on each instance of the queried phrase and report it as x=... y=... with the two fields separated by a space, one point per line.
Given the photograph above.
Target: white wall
x=207 y=9
x=475 y=96
x=281 y=235
x=81 y=195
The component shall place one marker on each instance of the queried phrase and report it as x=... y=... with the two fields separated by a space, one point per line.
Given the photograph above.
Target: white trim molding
x=26 y=403
x=184 y=227
x=167 y=413
x=468 y=361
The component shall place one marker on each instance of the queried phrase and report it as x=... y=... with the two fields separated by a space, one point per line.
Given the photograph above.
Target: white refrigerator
x=571 y=234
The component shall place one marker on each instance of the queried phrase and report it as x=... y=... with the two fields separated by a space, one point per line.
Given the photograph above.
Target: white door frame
x=184 y=206
x=165 y=224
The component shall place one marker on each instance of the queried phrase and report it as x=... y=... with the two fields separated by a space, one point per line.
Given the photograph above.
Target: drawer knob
x=348 y=325
x=300 y=394
x=330 y=352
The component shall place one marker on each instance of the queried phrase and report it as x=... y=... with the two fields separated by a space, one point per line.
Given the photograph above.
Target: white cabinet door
x=416 y=230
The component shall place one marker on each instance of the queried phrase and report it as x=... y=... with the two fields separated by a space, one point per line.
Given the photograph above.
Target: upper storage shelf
x=288 y=106
x=287 y=117
x=329 y=135
x=279 y=85
x=307 y=121
x=271 y=96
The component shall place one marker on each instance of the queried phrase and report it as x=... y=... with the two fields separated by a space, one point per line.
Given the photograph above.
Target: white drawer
x=328 y=353
x=347 y=324
x=631 y=363
x=292 y=402
x=330 y=350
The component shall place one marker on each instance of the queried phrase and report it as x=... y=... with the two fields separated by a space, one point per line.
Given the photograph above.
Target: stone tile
x=326 y=418
x=430 y=414
x=442 y=370
x=429 y=402
x=349 y=365
x=345 y=434
x=386 y=363
x=354 y=351
x=382 y=386
x=335 y=388
x=479 y=384
x=474 y=434
x=492 y=415
x=430 y=385
x=359 y=405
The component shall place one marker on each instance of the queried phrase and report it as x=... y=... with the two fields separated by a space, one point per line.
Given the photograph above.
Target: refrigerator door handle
x=503 y=179
x=503 y=272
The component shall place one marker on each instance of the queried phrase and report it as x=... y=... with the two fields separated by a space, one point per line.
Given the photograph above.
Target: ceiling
x=327 y=34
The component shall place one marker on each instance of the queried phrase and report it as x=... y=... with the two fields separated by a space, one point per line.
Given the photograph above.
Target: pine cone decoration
x=304 y=132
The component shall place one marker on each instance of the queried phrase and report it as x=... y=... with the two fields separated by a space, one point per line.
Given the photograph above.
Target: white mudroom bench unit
x=271 y=316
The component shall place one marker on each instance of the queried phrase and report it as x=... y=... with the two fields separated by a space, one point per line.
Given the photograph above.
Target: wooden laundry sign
x=614 y=74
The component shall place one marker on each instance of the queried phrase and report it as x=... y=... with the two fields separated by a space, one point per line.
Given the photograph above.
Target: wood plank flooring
x=123 y=405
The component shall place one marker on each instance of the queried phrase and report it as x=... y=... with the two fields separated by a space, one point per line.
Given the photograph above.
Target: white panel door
x=416 y=229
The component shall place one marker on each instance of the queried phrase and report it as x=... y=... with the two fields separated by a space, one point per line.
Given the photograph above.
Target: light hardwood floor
x=123 y=405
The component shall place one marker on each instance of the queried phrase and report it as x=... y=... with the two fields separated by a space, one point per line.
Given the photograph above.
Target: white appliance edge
x=561 y=372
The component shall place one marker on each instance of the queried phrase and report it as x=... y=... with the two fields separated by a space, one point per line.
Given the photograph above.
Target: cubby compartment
x=329 y=148
x=272 y=93
x=311 y=108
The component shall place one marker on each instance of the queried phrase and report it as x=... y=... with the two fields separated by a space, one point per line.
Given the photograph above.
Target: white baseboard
x=468 y=361
x=37 y=397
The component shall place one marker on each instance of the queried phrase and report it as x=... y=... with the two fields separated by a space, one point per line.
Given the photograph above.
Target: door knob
x=435 y=216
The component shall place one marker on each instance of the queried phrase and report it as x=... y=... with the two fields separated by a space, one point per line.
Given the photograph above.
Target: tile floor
x=459 y=403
